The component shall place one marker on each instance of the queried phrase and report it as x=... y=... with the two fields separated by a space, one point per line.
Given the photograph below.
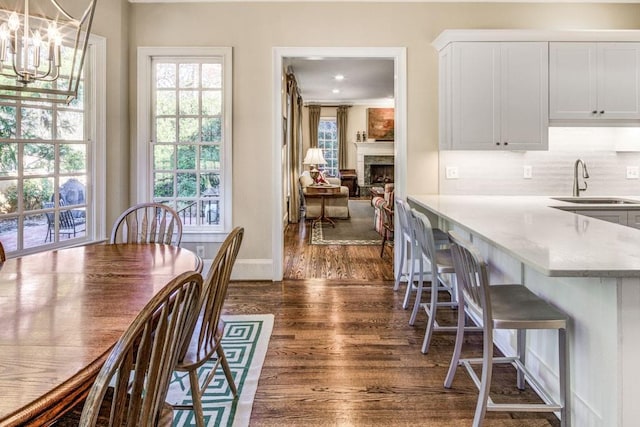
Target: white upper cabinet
x=494 y=96
x=595 y=81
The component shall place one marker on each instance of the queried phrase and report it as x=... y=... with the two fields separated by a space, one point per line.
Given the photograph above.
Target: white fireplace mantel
x=379 y=148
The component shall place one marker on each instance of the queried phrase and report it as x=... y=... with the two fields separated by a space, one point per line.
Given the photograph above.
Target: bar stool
x=408 y=249
x=504 y=307
x=442 y=279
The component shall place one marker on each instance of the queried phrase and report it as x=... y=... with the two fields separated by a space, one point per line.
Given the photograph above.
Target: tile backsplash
x=606 y=151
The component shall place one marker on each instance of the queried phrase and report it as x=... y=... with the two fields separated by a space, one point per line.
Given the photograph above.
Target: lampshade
x=314 y=157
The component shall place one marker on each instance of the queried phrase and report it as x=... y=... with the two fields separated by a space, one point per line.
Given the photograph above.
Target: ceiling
x=367 y=81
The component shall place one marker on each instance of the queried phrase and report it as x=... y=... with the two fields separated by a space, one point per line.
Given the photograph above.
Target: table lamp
x=314 y=157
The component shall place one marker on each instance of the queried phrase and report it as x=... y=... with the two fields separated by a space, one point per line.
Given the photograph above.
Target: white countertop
x=553 y=241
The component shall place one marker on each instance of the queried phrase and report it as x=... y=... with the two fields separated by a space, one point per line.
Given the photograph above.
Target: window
x=189 y=161
x=49 y=173
x=328 y=141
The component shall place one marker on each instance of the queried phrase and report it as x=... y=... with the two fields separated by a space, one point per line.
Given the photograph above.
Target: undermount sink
x=597 y=200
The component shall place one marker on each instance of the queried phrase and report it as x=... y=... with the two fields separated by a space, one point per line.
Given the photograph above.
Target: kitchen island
x=587 y=267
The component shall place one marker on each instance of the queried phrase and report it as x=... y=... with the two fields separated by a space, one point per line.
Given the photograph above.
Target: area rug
x=356 y=230
x=245 y=342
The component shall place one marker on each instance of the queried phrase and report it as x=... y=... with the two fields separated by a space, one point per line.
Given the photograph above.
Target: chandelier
x=41 y=58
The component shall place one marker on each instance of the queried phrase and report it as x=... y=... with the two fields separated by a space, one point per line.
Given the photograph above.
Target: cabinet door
x=619 y=80
x=475 y=91
x=618 y=217
x=572 y=81
x=524 y=96
x=633 y=219
x=444 y=98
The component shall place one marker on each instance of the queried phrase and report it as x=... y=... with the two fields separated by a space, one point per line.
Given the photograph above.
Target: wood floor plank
x=343 y=354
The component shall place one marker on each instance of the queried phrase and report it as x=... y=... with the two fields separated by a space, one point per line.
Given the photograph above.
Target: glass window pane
x=210 y=209
x=163 y=184
x=165 y=102
x=36 y=123
x=188 y=130
x=73 y=191
x=212 y=75
x=189 y=75
x=163 y=156
x=38 y=159
x=186 y=157
x=71 y=125
x=186 y=184
x=210 y=157
x=189 y=102
x=209 y=184
x=8 y=159
x=166 y=130
x=36 y=191
x=9 y=234
x=211 y=129
x=8 y=196
x=211 y=102
x=165 y=75
x=73 y=158
x=7 y=122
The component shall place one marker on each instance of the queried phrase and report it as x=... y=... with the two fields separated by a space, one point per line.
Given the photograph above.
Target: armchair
x=379 y=203
x=335 y=207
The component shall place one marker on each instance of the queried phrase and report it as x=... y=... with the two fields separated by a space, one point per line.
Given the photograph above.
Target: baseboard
x=252 y=269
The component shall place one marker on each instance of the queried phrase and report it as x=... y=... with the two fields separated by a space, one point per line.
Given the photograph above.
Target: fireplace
x=380 y=174
x=378 y=170
x=374 y=164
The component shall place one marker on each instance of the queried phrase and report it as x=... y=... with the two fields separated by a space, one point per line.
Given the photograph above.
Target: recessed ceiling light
x=338 y=77
x=336 y=91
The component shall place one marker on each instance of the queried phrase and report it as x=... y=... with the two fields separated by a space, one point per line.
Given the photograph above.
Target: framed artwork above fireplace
x=380 y=124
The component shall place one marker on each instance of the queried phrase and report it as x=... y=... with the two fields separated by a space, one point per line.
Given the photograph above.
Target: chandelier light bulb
x=14 y=22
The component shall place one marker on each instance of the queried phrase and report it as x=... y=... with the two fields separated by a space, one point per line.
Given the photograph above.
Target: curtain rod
x=328 y=105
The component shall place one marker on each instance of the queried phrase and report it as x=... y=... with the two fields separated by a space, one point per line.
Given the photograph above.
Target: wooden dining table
x=62 y=311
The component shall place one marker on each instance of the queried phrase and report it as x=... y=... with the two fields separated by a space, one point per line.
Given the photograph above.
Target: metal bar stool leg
x=485 y=382
x=522 y=353
x=416 y=304
x=403 y=255
x=565 y=412
x=431 y=318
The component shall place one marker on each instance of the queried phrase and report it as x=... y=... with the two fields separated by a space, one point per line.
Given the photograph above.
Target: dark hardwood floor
x=342 y=352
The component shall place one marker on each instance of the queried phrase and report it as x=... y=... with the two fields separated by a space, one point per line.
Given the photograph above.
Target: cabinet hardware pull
x=602 y=112
x=497 y=143
x=506 y=143
x=594 y=112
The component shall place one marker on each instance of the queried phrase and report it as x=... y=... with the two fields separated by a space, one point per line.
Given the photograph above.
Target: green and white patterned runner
x=245 y=342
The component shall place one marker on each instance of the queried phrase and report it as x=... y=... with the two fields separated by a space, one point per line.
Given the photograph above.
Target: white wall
x=501 y=172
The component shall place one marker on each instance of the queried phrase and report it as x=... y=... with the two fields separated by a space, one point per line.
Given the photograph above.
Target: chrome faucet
x=585 y=174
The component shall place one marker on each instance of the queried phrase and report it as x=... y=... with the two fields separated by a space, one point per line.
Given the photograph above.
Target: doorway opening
x=280 y=55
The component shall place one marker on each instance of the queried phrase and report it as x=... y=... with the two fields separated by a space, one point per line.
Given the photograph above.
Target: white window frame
x=143 y=156
x=95 y=133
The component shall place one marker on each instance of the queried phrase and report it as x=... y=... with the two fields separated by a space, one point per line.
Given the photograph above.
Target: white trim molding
x=450 y=36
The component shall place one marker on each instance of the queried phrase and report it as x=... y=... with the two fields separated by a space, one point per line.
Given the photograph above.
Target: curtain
x=314 y=122
x=342 y=118
x=294 y=140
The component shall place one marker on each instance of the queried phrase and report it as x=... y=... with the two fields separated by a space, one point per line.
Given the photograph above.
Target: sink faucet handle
x=585 y=172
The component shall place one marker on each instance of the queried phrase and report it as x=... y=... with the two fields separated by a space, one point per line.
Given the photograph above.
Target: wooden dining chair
x=3 y=256
x=207 y=335
x=148 y=223
x=132 y=385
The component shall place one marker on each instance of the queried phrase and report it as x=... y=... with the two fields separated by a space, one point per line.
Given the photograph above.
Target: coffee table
x=322 y=192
